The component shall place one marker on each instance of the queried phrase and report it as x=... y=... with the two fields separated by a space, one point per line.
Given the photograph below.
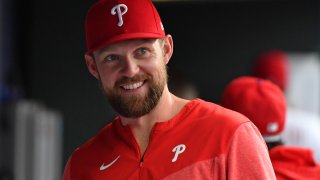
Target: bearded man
x=156 y=135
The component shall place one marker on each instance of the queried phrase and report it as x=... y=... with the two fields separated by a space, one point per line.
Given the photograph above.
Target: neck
x=167 y=107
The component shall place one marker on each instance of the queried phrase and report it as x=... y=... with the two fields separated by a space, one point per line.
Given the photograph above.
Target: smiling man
x=156 y=135
x=132 y=74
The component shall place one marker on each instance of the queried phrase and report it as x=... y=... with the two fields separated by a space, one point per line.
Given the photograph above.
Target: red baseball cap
x=261 y=101
x=110 y=21
x=272 y=65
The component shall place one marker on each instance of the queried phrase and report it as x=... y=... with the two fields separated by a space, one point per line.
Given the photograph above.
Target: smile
x=132 y=86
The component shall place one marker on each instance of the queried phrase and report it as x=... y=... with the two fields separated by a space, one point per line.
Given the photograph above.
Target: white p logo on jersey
x=178 y=149
x=117 y=10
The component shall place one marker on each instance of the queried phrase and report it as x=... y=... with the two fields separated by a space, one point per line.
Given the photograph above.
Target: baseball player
x=156 y=135
x=302 y=127
x=264 y=103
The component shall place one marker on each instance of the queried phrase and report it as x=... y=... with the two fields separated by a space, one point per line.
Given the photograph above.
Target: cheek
x=154 y=65
x=107 y=77
x=159 y=72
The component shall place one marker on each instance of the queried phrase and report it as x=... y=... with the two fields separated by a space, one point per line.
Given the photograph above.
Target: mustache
x=137 y=78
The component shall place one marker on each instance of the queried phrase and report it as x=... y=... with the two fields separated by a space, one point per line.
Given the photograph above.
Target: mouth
x=132 y=86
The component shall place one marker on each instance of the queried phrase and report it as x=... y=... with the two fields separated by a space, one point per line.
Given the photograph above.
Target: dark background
x=214 y=42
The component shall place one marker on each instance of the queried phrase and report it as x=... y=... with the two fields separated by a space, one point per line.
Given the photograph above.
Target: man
x=264 y=103
x=302 y=127
x=156 y=134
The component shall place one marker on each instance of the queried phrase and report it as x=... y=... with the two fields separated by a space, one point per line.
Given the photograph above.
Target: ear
x=92 y=66
x=167 y=48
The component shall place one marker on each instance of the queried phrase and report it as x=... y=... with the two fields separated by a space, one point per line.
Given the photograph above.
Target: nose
x=130 y=67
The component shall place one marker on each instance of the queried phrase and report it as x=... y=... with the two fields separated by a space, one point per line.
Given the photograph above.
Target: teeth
x=132 y=86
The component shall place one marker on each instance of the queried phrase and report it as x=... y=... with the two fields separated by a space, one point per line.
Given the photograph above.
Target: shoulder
x=291 y=153
x=85 y=156
x=213 y=121
x=212 y=113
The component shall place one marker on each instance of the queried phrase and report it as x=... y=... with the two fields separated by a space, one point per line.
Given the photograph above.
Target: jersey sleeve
x=248 y=156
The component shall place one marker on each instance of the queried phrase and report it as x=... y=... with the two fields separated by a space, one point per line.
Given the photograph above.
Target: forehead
x=126 y=43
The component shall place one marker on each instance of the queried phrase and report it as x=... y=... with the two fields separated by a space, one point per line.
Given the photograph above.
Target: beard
x=137 y=105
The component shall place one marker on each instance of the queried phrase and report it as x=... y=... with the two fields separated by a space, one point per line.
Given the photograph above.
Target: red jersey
x=294 y=163
x=204 y=141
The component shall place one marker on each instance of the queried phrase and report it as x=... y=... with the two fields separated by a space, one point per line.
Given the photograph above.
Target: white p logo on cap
x=117 y=10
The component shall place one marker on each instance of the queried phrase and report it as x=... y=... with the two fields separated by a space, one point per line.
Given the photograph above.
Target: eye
x=142 y=51
x=111 y=57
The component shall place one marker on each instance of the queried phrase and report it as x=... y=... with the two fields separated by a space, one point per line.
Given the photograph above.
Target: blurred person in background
x=264 y=104
x=302 y=127
x=156 y=135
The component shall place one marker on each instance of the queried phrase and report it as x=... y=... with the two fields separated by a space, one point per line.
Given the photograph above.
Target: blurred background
x=50 y=104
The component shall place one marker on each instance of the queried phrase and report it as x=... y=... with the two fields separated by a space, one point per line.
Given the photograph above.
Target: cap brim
x=124 y=37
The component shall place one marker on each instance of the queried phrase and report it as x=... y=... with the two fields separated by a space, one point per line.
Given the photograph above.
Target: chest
x=168 y=155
